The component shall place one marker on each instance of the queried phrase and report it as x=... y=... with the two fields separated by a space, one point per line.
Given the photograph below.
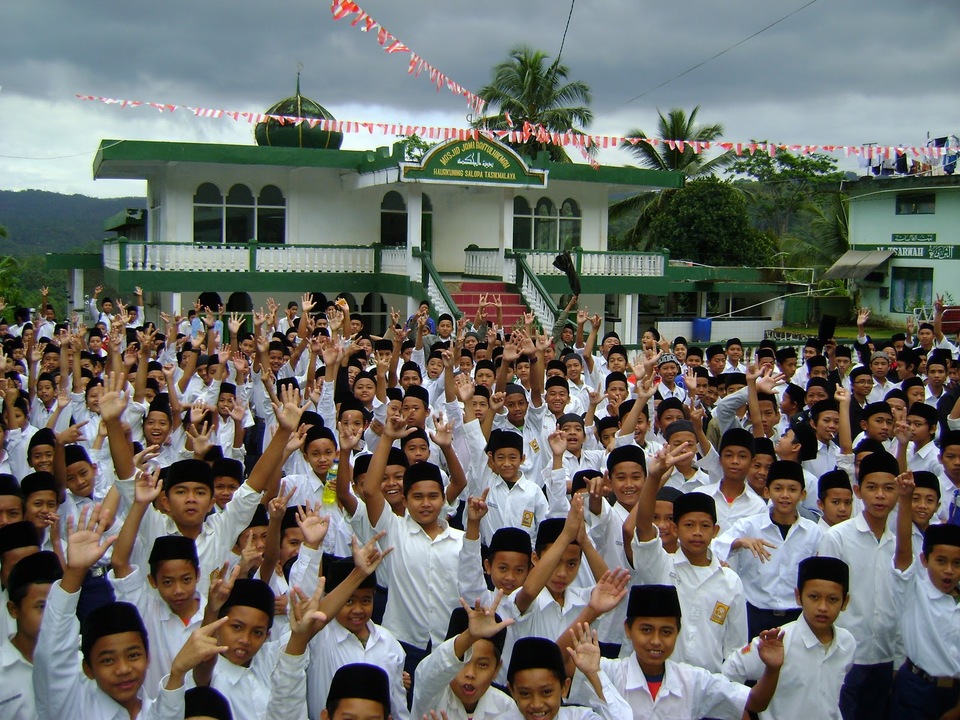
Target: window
x=569 y=225
x=522 y=224
x=910 y=287
x=426 y=224
x=916 y=204
x=393 y=220
x=240 y=217
x=546 y=227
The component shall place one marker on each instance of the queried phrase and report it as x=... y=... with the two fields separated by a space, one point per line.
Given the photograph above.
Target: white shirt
x=825 y=461
x=880 y=390
x=216 y=539
x=687 y=484
x=63 y=690
x=273 y=680
x=614 y=707
x=744 y=505
x=547 y=619
x=926 y=458
x=712 y=602
x=811 y=676
x=16 y=691
x=770 y=585
x=422 y=576
x=929 y=621
x=870 y=615
x=335 y=646
x=520 y=505
x=165 y=629
x=535 y=454
x=431 y=690
x=686 y=691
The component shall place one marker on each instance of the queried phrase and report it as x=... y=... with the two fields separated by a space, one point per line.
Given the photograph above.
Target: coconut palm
x=675 y=125
x=528 y=89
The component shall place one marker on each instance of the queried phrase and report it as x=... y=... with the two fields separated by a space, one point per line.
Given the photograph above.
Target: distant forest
x=39 y=222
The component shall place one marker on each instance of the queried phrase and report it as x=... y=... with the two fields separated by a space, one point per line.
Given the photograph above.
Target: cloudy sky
x=838 y=72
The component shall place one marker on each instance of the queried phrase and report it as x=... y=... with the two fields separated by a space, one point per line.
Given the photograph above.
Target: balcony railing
x=485 y=262
x=123 y=255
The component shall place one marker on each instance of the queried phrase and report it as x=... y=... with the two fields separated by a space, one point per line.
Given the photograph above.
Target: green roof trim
x=133 y=159
x=74 y=261
x=139 y=154
x=135 y=217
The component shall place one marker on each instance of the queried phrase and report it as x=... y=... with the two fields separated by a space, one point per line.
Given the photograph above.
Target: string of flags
x=343 y=9
x=527 y=132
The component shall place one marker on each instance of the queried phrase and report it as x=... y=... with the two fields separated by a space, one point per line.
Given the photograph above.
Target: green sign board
x=473 y=162
x=913 y=237
x=919 y=252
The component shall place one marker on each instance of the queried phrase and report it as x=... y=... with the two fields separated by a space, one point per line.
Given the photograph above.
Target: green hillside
x=39 y=222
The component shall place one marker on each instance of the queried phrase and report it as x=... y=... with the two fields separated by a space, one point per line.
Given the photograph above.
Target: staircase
x=467 y=299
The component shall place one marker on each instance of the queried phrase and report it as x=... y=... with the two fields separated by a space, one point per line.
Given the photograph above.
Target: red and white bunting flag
x=361 y=16
x=395 y=47
x=383 y=36
x=343 y=8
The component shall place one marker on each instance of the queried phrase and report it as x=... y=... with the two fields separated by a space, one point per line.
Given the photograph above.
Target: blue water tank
x=702 y=328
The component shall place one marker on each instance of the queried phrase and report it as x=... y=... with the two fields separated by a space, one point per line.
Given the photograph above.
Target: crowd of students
x=284 y=516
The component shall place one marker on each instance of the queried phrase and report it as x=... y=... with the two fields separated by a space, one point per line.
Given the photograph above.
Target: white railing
x=311 y=259
x=393 y=261
x=111 y=256
x=436 y=297
x=622 y=265
x=186 y=258
x=538 y=306
x=483 y=263
x=600 y=264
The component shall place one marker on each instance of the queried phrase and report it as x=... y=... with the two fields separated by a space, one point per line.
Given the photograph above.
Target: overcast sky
x=839 y=72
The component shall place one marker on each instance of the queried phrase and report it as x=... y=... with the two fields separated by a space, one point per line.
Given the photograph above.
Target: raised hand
x=288 y=411
x=466 y=388
x=906 y=485
x=86 y=545
x=368 y=557
x=444 y=432
x=558 y=442
x=482 y=621
x=313 y=525
x=477 y=506
x=396 y=428
x=585 y=651
x=142 y=458
x=768 y=381
x=221 y=585
x=862 y=316
x=305 y=616
x=770 y=648
x=250 y=557
x=72 y=434
x=612 y=587
x=202 y=646
x=147 y=486
x=841 y=395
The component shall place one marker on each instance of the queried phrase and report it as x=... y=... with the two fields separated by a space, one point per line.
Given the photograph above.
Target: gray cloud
x=840 y=71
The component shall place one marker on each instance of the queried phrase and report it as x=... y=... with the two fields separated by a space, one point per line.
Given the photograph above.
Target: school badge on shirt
x=527 y=520
x=534 y=445
x=719 y=615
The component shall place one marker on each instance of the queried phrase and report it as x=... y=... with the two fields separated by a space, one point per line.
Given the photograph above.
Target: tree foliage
x=707 y=222
x=675 y=125
x=784 y=184
x=530 y=90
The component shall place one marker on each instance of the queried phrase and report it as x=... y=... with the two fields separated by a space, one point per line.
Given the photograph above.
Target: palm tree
x=827 y=236
x=676 y=125
x=528 y=89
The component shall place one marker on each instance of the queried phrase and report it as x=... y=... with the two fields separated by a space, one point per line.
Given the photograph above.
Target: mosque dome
x=275 y=134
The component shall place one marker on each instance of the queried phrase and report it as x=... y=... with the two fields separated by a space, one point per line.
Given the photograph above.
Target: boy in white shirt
x=28 y=587
x=927 y=685
x=866 y=544
x=816 y=653
x=113 y=644
x=711 y=594
x=654 y=685
x=766 y=549
x=456 y=677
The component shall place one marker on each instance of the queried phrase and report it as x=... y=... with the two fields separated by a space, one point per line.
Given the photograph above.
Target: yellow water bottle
x=330 y=486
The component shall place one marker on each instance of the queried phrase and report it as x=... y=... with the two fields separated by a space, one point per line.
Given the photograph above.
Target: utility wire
x=704 y=62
